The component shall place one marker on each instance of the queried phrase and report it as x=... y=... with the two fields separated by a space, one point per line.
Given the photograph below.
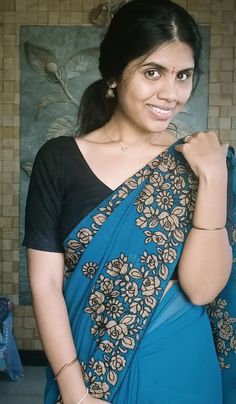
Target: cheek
x=185 y=93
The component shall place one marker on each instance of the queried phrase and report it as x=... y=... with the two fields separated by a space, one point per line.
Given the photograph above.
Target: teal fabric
x=133 y=346
x=222 y=311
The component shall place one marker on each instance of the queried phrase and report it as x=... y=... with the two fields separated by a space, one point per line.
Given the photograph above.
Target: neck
x=121 y=130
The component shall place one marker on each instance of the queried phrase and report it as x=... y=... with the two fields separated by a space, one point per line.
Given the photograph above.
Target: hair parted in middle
x=138 y=28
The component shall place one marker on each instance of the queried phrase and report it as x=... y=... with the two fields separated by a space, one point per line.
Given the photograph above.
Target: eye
x=152 y=74
x=183 y=76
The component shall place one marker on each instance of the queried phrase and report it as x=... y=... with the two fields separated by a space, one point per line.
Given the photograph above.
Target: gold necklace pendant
x=123 y=147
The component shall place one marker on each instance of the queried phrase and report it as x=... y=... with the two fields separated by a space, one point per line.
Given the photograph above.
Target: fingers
x=202 y=137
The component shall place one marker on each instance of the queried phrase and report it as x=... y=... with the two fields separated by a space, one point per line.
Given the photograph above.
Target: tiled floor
x=28 y=390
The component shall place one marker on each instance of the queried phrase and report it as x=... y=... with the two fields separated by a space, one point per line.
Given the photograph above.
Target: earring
x=110 y=92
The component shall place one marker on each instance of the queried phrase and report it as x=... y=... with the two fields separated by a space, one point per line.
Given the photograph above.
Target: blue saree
x=136 y=345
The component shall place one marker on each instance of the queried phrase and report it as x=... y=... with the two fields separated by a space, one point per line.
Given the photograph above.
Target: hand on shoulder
x=204 y=152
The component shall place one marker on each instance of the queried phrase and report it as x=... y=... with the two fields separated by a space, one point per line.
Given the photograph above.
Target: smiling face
x=153 y=90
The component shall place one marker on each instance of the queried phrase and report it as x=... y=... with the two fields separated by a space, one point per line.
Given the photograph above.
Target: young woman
x=128 y=209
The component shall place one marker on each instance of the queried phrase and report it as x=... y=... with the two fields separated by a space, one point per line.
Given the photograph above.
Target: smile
x=159 y=112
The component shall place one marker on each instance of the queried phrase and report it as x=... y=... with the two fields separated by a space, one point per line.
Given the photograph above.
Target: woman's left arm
x=206 y=260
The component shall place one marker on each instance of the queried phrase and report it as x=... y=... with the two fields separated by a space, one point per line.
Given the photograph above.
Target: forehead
x=172 y=54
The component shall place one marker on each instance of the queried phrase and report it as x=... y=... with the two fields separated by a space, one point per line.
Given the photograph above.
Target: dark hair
x=137 y=28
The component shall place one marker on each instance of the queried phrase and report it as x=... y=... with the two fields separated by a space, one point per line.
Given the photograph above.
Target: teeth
x=161 y=111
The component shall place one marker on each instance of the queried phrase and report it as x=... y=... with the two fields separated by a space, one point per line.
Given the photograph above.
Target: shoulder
x=55 y=145
x=55 y=151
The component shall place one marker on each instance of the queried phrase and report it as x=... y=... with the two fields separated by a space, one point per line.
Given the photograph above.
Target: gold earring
x=110 y=92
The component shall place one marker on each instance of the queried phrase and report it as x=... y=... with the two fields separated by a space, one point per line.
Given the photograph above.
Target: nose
x=167 y=89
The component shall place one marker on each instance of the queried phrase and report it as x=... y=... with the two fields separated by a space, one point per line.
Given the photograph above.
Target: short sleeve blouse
x=63 y=190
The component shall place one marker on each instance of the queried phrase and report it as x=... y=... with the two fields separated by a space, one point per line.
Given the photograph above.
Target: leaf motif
x=141 y=222
x=112 y=377
x=27 y=167
x=153 y=223
x=74 y=244
x=51 y=99
x=163 y=215
x=150 y=301
x=135 y=273
x=81 y=62
x=63 y=126
x=179 y=235
x=131 y=183
x=178 y=211
x=129 y=319
x=128 y=342
x=163 y=272
x=99 y=218
x=41 y=60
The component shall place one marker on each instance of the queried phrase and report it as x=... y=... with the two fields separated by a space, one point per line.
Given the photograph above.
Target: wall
x=219 y=15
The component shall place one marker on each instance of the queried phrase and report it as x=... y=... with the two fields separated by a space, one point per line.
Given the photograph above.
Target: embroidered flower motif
x=149 y=218
x=165 y=200
x=168 y=163
x=99 y=327
x=225 y=329
x=156 y=180
x=221 y=348
x=106 y=284
x=71 y=258
x=178 y=184
x=117 y=362
x=114 y=308
x=184 y=200
x=99 y=389
x=96 y=303
x=84 y=235
x=150 y=260
x=118 y=266
x=89 y=269
x=146 y=195
x=150 y=285
x=169 y=255
x=129 y=290
x=117 y=330
x=98 y=367
x=106 y=346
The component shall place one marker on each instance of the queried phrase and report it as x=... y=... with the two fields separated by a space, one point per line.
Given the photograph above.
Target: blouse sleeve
x=44 y=200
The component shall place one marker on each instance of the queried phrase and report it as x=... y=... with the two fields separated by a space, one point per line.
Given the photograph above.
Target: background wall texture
x=219 y=15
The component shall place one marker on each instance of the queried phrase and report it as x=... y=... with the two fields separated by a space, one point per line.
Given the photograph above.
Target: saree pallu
x=133 y=345
x=222 y=312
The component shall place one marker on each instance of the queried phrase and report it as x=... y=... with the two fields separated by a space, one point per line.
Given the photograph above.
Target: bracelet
x=67 y=365
x=201 y=228
x=83 y=397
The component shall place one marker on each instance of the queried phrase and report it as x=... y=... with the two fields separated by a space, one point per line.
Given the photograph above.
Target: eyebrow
x=163 y=68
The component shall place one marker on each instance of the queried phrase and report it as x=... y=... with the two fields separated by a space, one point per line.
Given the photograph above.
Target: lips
x=161 y=113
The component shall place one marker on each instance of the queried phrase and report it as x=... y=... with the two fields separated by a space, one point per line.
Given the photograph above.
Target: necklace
x=123 y=146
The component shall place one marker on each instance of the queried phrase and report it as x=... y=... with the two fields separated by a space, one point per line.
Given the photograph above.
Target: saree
x=134 y=342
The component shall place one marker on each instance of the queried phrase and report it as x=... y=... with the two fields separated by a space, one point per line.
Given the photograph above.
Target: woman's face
x=153 y=90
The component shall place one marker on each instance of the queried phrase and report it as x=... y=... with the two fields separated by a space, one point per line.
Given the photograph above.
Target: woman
x=129 y=210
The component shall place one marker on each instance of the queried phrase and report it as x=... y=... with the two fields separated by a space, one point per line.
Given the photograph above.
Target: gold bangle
x=67 y=365
x=201 y=228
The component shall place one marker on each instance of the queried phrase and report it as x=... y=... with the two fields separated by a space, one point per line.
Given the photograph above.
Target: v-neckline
x=157 y=157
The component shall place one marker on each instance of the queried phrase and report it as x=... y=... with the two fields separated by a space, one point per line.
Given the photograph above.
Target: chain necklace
x=123 y=146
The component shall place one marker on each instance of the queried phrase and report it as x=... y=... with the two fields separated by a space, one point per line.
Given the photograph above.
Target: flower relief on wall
x=57 y=64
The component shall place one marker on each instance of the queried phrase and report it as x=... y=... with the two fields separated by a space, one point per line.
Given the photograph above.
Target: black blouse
x=63 y=189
